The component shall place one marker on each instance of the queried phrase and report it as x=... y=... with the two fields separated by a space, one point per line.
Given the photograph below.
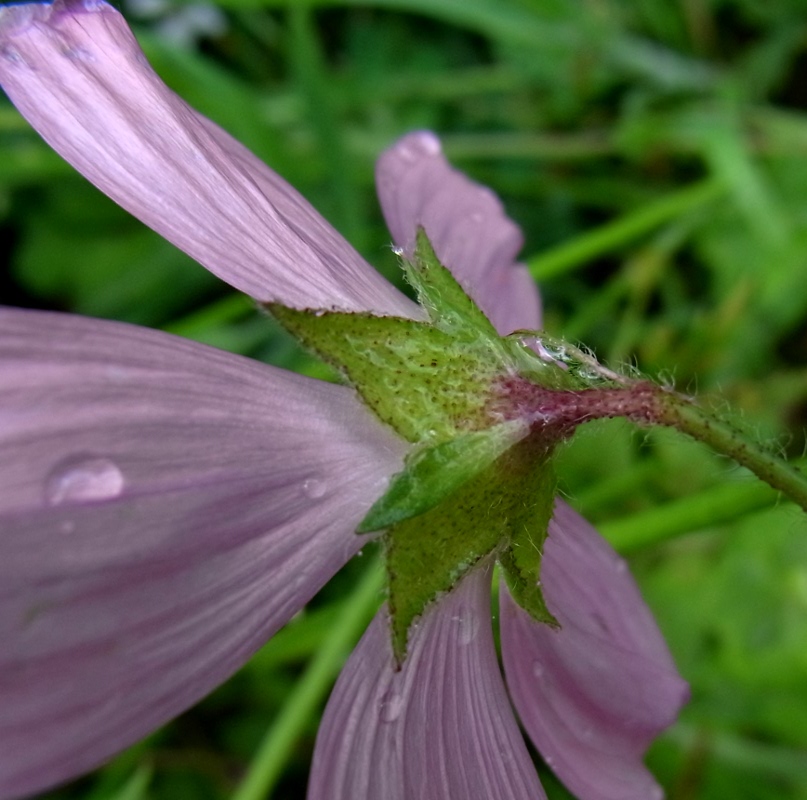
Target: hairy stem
x=776 y=472
x=558 y=413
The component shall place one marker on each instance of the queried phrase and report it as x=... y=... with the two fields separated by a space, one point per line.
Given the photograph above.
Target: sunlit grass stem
x=303 y=702
x=619 y=232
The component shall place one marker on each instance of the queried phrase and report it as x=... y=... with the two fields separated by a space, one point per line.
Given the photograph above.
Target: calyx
x=484 y=414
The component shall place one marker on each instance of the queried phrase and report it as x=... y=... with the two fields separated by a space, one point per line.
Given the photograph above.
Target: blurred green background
x=655 y=155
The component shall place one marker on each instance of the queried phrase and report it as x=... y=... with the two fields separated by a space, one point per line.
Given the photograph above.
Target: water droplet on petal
x=314 y=489
x=587 y=733
x=116 y=374
x=620 y=565
x=81 y=479
x=11 y=54
x=67 y=527
x=468 y=626
x=78 y=54
x=428 y=143
x=538 y=669
x=417 y=145
x=407 y=153
x=391 y=706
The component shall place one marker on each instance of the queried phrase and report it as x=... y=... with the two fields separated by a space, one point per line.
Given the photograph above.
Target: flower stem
x=309 y=691
x=560 y=412
x=682 y=414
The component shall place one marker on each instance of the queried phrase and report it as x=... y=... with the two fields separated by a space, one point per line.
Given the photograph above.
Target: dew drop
x=407 y=153
x=428 y=143
x=80 y=479
x=314 y=489
x=67 y=527
x=115 y=374
x=538 y=669
x=588 y=374
x=11 y=54
x=417 y=145
x=391 y=706
x=468 y=627
x=78 y=54
x=620 y=565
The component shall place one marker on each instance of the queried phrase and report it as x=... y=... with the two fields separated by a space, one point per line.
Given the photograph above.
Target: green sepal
x=491 y=514
x=431 y=474
x=449 y=307
x=431 y=381
x=475 y=487
x=521 y=559
x=423 y=382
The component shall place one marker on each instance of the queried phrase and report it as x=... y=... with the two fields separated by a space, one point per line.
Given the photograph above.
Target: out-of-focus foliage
x=655 y=154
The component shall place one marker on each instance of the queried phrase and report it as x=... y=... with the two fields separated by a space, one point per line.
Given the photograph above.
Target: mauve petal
x=77 y=74
x=594 y=694
x=441 y=728
x=164 y=509
x=466 y=224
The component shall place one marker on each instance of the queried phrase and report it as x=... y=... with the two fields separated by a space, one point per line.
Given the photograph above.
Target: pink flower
x=165 y=507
